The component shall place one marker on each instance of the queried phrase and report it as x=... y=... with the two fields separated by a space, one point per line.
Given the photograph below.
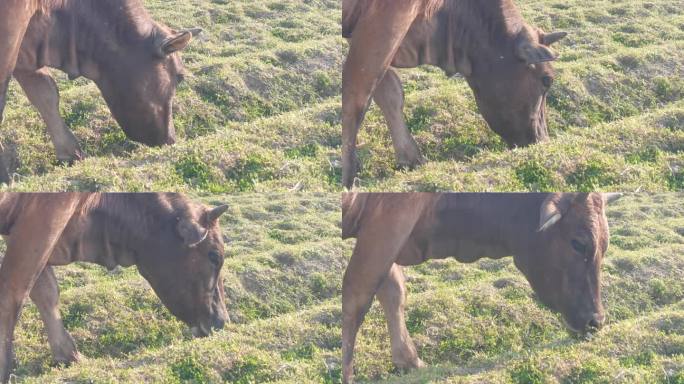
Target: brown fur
x=464 y=15
x=16 y=16
x=352 y=208
x=176 y=245
x=121 y=22
x=352 y=10
x=540 y=231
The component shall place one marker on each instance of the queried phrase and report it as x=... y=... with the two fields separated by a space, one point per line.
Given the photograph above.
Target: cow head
x=183 y=266
x=564 y=265
x=510 y=84
x=139 y=85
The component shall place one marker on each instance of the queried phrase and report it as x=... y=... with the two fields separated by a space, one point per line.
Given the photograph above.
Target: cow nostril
x=219 y=324
x=595 y=323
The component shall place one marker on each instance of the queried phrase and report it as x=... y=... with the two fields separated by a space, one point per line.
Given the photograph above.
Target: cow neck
x=470 y=29
x=80 y=37
x=526 y=238
x=121 y=225
x=492 y=225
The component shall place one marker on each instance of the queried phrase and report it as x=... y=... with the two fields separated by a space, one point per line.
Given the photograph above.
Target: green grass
x=262 y=110
x=615 y=112
x=472 y=323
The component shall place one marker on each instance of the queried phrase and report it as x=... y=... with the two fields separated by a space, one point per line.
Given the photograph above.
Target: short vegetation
x=472 y=323
x=262 y=110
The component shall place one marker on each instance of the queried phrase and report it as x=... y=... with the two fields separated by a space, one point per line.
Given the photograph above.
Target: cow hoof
x=66 y=357
x=406 y=366
x=413 y=163
x=70 y=157
x=66 y=361
x=349 y=176
x=350 y=169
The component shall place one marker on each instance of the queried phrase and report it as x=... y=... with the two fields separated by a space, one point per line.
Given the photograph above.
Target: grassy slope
x=262 y=111
x=263 y=104
x=616 y=111
x=472 y=322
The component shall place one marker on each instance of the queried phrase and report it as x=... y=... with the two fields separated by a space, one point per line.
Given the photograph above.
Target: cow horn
x=552 y=209
x=214 y=214
x=544 y=225
x=553 y=37
x=191 y=232
x=534 y=53
x=610 y=197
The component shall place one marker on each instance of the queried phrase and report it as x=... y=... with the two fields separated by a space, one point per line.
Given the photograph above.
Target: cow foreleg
x=45 y=294
x=29 y=245
x=389 y=96
x=392 y=297
x=360 y=283
x=41 y=90
x=372 y=46
x=15 y=20
x=16 y=17
x=378 y=244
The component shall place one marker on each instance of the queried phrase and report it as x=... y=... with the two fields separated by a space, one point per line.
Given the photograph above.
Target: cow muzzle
x=204 y=329
x=586 y=325
x=200 y=331
x=595 y=322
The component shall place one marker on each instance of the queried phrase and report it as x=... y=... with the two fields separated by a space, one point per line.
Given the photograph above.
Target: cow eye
x=215 y=258
x=547 y=81
x=579 y=247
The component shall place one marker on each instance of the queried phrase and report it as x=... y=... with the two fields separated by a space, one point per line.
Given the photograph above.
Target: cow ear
x=176 y=42
x=191 y=232
x=552 y=210
x=534 y=53
x=193 y=31
x=553 y=37
x=213 y=215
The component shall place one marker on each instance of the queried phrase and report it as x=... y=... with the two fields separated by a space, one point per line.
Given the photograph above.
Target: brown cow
x=175 y=244
x=504 y=60
x=557 y=242
x=132 y=59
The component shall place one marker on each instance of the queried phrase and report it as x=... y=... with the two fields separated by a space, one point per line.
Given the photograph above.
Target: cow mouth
x=200 y=330
x=536 y=132
x=204 y=329
x=586 y=333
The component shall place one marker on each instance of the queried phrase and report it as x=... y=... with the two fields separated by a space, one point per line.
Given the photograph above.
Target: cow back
x=353 y=10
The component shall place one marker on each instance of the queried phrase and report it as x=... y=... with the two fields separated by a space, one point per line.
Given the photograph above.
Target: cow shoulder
x=353 y=205
x=351 y=12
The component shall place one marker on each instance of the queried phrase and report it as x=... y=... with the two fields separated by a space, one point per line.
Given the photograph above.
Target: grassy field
x=262 y=112
x=473 y=323
x=616 y=112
